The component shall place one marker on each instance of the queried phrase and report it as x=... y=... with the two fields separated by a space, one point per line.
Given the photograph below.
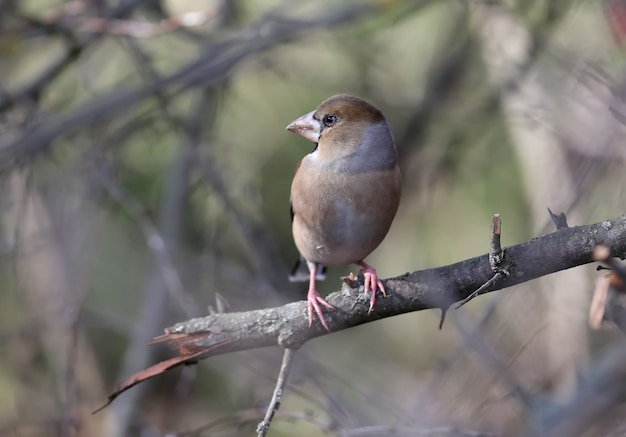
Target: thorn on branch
x=496 y=261
x=560 y=220
x=444 y=312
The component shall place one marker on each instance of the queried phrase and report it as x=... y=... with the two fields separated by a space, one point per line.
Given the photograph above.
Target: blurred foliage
x=193 y=177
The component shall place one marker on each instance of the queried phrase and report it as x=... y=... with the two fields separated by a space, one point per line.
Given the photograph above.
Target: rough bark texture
x=287 y=326
x=432 y=288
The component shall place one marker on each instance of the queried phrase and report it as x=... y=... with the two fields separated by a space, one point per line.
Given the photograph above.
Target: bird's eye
x=329 y=120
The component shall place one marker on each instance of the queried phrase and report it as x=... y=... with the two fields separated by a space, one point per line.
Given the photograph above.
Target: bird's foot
x=314 y=305
x=372 y=283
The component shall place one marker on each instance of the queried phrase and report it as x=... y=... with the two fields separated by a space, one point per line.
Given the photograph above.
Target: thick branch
x=287 y=326
x=433 y=288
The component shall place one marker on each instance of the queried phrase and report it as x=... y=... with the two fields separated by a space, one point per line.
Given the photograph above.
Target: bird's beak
x=306 y=126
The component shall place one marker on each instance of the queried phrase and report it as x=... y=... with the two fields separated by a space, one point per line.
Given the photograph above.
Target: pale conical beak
x=306 y=126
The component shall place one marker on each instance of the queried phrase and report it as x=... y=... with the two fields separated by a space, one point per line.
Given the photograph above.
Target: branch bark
x=287 y=326
x=439 y=287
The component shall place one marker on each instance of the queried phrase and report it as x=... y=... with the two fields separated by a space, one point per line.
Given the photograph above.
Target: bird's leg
x=314 y=299
x=372 y=283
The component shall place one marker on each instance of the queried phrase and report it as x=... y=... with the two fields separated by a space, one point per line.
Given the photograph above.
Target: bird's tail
x=300 y=272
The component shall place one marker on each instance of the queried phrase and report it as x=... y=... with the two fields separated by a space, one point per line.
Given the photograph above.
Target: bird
x=344 y=194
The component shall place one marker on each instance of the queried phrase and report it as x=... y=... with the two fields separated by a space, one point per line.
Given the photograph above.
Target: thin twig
x=154 y=239
x=495 y=278
x=210 y=68
x=274 y=405
x=495 y=254
x=496 y=259
x=46 y=77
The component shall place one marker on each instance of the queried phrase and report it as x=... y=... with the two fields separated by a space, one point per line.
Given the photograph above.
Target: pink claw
x=372 y=283
x=313 y=299
x=313 y=305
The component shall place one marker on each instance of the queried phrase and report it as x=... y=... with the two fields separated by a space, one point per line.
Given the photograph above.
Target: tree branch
x=433 y=288
x=287 y=326
x=211 y=68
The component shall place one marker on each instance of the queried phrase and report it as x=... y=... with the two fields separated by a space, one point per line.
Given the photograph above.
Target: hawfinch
x=344 y=194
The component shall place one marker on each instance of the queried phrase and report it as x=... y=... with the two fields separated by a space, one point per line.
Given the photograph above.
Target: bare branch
x=433 y=288
x=46 y=77
x=287 y=325
x=210 y=69
x=281 y=383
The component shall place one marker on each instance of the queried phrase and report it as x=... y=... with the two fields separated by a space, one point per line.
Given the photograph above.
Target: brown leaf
x=188 y=354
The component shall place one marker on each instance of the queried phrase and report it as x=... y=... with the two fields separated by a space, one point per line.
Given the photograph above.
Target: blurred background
x=145 y=180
